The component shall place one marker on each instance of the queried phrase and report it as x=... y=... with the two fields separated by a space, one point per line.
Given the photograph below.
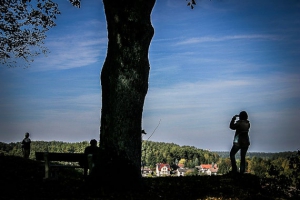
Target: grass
x=23 y=179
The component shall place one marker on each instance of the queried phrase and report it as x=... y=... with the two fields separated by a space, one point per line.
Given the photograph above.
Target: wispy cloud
x=190 y=109
x=271 y=88
x=76 y=48
x=226 y=38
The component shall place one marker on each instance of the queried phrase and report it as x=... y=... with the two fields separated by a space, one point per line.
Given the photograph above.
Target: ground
x=23 y=179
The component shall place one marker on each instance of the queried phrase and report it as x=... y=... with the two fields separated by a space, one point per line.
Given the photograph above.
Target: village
x=164 y=169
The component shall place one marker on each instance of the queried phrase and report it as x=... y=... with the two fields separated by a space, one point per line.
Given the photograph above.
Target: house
x=208 y=169
x=146 y=171
x=214 y=170
x=181 y=171
x=163 y=169
x=203 y=167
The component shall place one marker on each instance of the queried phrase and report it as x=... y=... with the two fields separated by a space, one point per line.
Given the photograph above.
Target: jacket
x=241 y=137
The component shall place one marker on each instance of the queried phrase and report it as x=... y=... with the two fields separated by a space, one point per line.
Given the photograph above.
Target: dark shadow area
x=23 y=179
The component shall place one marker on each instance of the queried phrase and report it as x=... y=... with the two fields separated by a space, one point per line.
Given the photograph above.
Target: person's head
x=27 y=135
x=93 y=142
x=243 y=115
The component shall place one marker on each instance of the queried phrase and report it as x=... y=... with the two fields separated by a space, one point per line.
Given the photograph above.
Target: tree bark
x=124 y=81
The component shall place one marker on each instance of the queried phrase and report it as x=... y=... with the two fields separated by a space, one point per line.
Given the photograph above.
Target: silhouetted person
x=26 y=146
x=90 y=150
x=241 y=140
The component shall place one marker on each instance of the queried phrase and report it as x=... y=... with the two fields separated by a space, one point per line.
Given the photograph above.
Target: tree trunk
x=124 y=80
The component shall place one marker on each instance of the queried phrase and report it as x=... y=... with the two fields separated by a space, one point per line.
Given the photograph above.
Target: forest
x=277 y=174
x=258 y=163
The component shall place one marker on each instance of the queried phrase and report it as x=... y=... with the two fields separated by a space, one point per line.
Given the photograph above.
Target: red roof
x=205 y=166
x=161 y=165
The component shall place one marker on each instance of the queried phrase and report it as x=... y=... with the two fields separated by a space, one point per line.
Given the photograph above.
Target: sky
x=207 y=64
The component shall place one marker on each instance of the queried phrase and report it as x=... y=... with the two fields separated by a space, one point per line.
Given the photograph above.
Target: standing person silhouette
x=26 y=146
x=90 y=150
x=241 y=140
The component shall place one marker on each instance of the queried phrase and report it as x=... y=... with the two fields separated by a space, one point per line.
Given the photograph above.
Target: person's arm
x=232 y=123
x=22 y=144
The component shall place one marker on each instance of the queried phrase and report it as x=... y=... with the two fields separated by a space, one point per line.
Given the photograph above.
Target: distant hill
x=263 y=155
x=60 y=146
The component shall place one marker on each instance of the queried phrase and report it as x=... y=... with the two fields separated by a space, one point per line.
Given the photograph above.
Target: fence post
x=46 y=165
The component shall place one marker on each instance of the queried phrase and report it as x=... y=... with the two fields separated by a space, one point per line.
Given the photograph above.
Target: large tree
x=124 y=76
x=124 y=80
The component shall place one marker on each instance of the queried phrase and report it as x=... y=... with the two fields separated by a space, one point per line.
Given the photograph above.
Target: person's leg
x=243 y=159
x=233 y=151
x=26 y=153
x=85 y=170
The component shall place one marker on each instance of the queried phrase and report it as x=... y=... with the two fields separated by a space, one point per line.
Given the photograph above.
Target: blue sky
x=207 y=64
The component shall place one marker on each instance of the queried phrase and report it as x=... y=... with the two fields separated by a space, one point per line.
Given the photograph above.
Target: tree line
x=160 y=152
x=14 y=149
x=264 y=155
x=258 y=163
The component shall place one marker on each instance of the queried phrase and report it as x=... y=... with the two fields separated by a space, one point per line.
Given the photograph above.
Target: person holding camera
x=241 y=140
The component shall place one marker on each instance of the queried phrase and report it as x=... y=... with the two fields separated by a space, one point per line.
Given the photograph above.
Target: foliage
x=224 y=165
x=75 y=3
x=152 y=152
x=294 y=166
x=182 y=161
x=23 y=27
x=14 y=149
x=191 y=3
x=263 y=155
x=160 y=152
x=192 y=172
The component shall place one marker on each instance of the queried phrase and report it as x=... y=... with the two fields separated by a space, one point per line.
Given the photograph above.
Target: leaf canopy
x=23 y=27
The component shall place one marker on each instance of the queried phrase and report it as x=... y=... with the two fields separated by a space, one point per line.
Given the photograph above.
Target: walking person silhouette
x=90 y=150
x=241 y=140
